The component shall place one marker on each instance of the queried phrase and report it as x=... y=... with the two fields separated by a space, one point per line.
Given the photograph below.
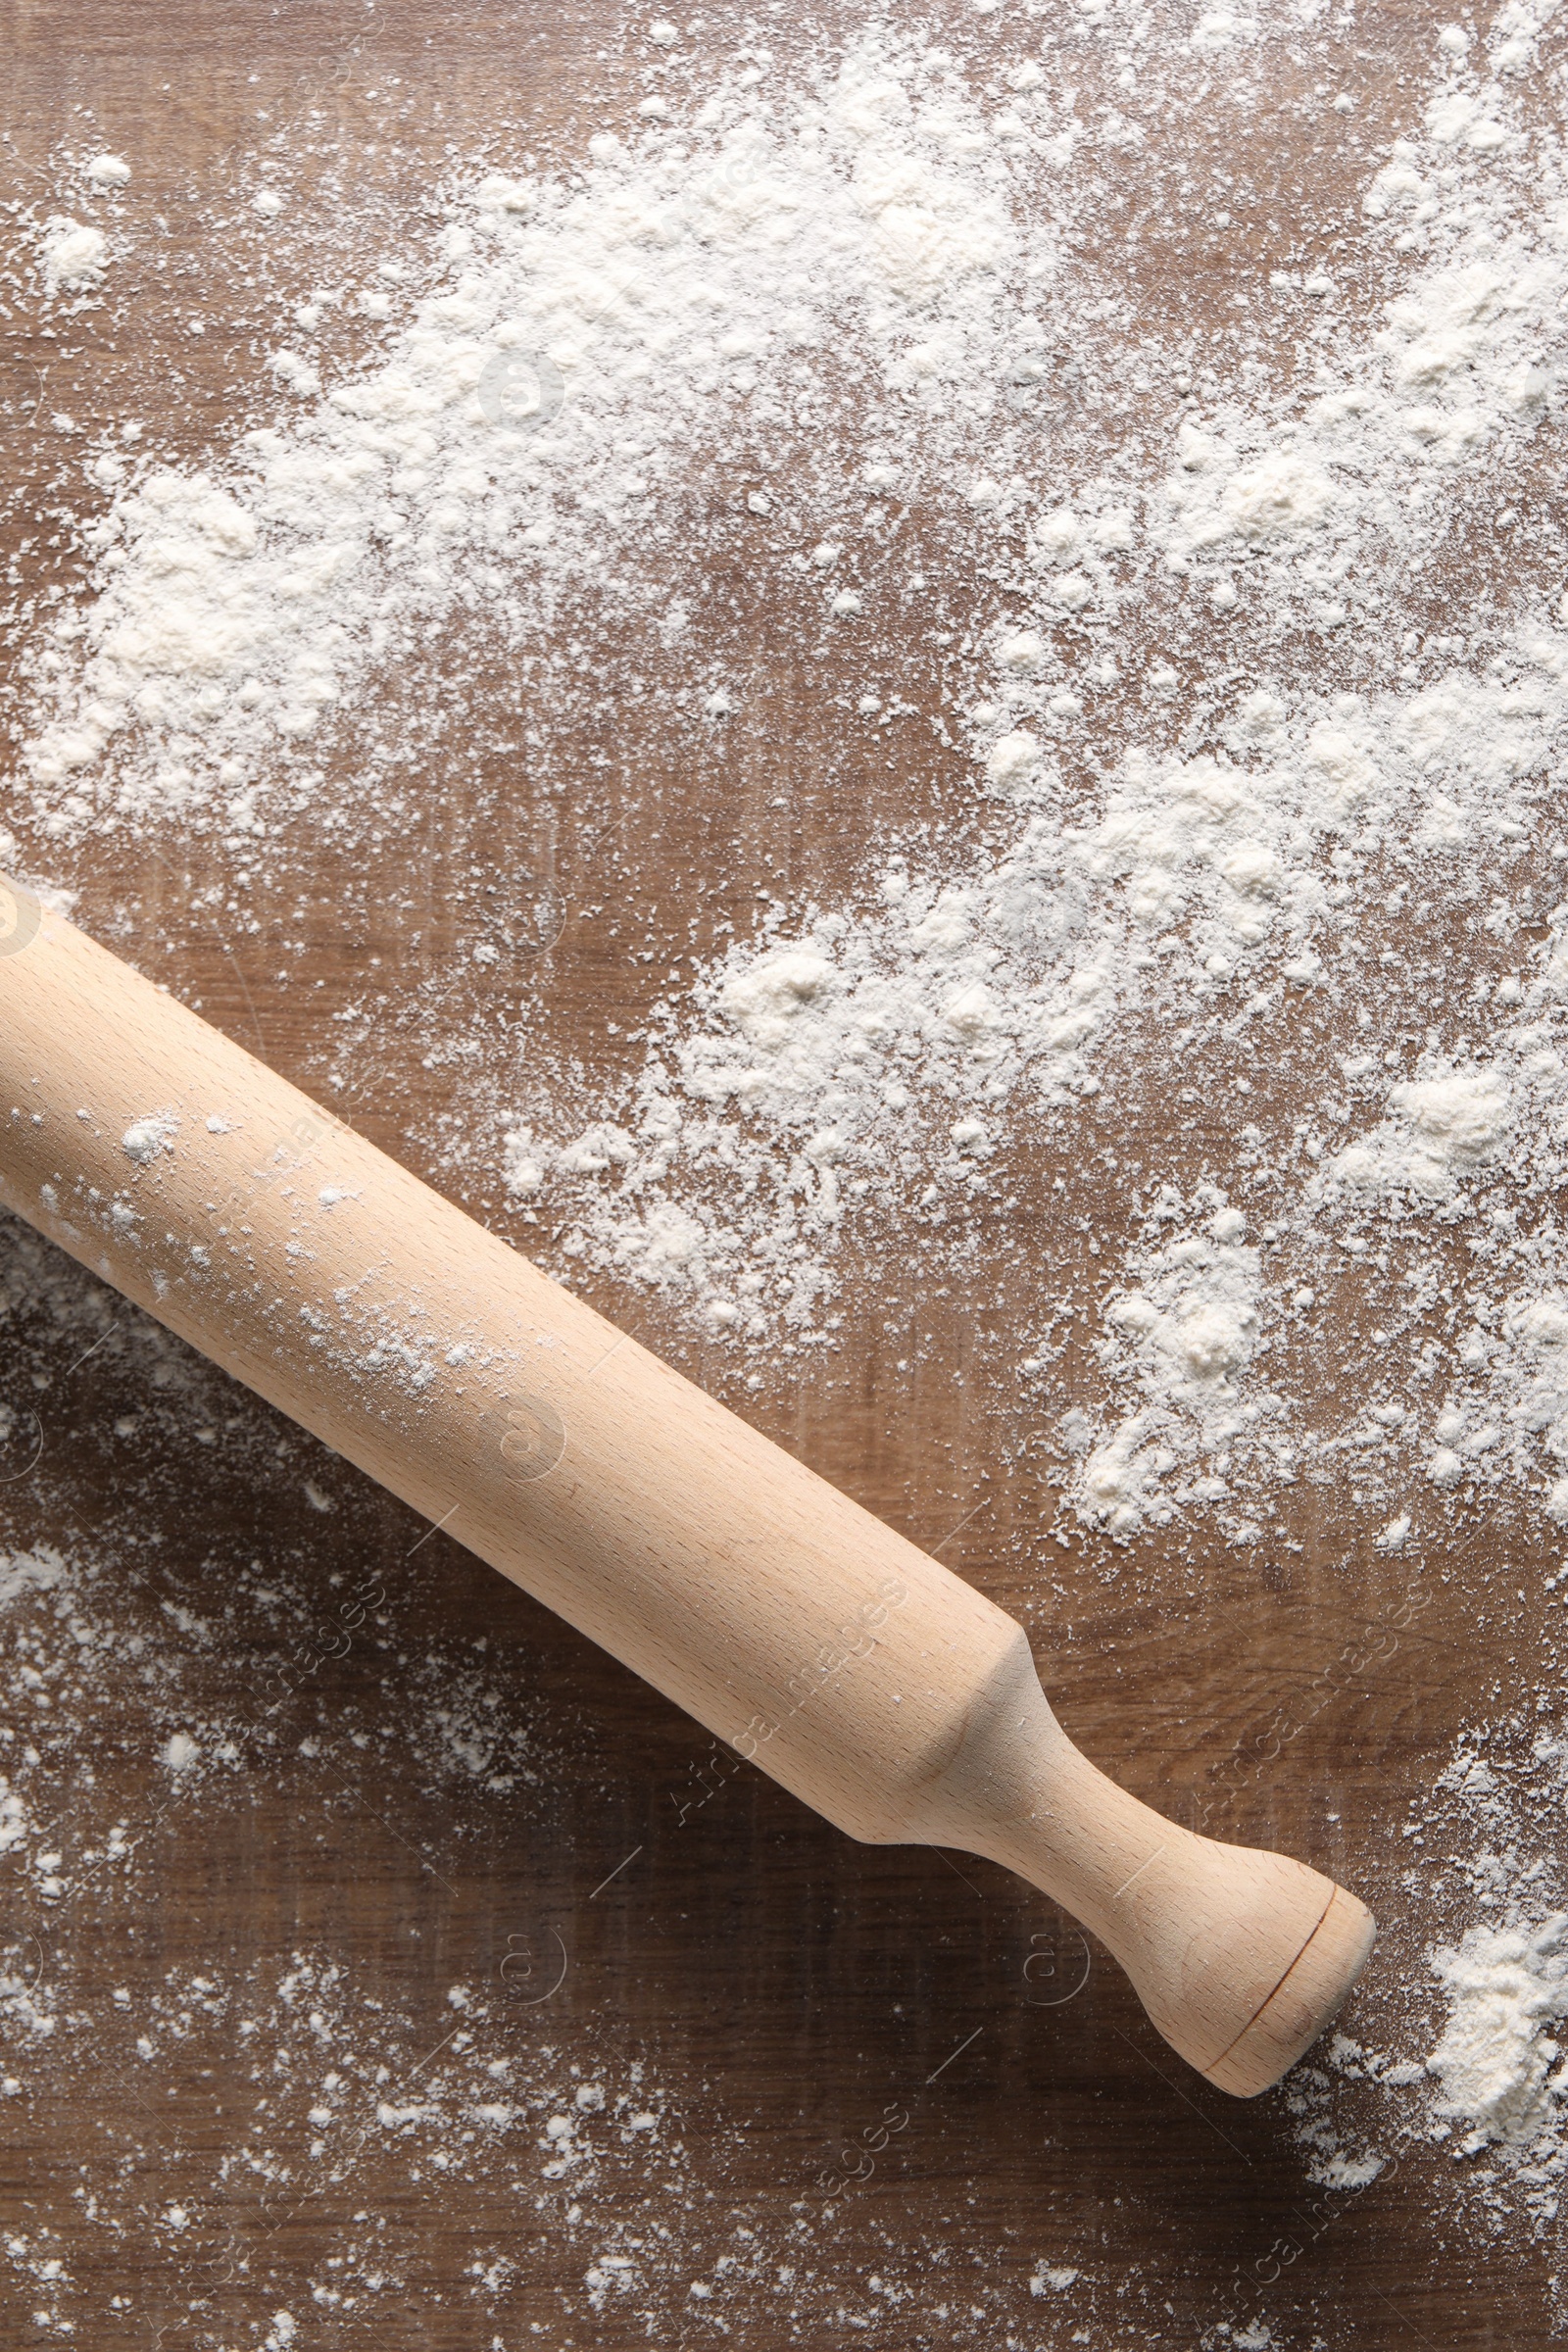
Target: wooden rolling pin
x=868 y=1679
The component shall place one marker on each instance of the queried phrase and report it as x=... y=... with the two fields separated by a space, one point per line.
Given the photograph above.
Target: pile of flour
x=1498 y=2061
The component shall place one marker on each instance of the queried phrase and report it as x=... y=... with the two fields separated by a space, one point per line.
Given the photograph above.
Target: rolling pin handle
x=1240 y=1956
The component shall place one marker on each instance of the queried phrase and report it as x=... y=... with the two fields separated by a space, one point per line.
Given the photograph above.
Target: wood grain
x=783 y=1983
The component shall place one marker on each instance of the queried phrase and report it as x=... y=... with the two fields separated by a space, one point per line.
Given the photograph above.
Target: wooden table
x=564 y=1847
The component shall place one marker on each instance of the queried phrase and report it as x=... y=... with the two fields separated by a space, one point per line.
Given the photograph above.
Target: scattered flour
x=37 y=1570
x=582 y=2177
x=1191 y=1328
x=1477 y=2067
x=872 y=1061
x=234 y=613
x=1235 y=773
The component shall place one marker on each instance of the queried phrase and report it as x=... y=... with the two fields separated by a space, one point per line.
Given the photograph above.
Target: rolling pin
x=854 y=1668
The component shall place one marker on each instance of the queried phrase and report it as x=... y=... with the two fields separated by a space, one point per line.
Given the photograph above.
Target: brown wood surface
x=783 y=1985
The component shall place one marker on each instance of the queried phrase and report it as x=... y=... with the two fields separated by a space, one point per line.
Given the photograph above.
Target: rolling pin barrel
x=869 y=1680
